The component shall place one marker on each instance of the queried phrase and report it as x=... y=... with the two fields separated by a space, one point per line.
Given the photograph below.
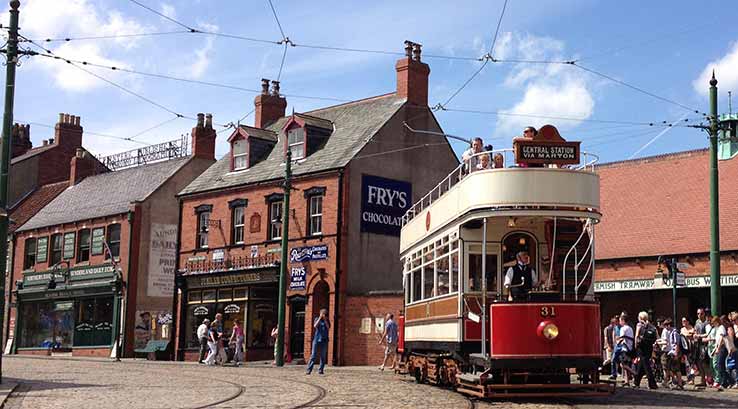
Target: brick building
x=659 y=206
x=356 y=169
x=97 y=260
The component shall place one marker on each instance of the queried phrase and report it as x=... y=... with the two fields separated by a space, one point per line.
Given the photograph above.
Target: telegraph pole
x=715 y=300
x=279 y=350
x=12 y=60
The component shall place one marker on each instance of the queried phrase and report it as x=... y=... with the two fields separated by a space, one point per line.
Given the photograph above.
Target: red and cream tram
x=466 y=324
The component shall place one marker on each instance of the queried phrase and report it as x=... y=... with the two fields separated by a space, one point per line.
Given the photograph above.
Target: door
x=297 y=327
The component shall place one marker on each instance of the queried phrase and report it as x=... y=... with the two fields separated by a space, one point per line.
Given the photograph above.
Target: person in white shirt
x=468 y=157
x=202 y=336
x=521 y=277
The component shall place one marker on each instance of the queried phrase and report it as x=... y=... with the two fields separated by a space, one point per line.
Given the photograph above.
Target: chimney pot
x=269 y=105
x=61 y=117
x=412 y=76
x=76 y=120
x=264 y=86
x=275 y=88
x=416 y=51
x=200 y=120
x=45 y=142
x=66 y=118
x=408 y=48
x=51 y=141
x=80 y=153
x=209 y=121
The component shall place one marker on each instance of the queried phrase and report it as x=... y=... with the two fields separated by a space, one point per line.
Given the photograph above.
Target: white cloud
x=78 y=18
x=168 y=10
x=552 y=90
x=201 y=57
x=726 y=72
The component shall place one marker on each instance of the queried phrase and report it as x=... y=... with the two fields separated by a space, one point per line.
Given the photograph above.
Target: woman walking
x=213 y=338
x=711 y=348
x=237 y=338
x=725 y=347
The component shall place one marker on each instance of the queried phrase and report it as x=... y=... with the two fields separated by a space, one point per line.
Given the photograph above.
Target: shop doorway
x=320 y=298
x=297 y=327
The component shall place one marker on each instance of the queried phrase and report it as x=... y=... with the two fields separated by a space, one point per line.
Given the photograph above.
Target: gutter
x=176 y=337
x=131 y=215
x=337 y=290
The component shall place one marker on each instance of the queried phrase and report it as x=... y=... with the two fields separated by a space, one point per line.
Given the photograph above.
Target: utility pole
x=279 y=350
x=12 y=60
x=715 y=300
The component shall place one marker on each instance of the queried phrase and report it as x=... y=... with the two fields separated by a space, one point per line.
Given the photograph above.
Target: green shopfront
x=66 y=309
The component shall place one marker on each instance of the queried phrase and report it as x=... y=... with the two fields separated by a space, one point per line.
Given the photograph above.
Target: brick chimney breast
x=203 y=137
x=20 y=141
x=68 y=131
x=412 y=76
x=269 y=105
x=81 y=166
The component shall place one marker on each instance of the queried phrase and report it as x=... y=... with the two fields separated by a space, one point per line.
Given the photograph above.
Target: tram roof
x=660 y=205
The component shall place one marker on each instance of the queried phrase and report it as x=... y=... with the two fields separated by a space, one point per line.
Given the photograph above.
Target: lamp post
x=715 y=296
x=279 y=350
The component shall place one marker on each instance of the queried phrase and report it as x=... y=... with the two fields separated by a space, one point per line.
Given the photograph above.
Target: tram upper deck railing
x=463 y=170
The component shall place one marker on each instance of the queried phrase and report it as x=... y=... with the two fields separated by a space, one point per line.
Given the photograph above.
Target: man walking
x=389 y=335
x=646 y=335
x=320 y=342
x=221 y=355
x=202 y=336
x=609 y=339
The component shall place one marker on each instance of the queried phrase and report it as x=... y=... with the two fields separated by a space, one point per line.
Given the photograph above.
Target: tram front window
x=475 y=272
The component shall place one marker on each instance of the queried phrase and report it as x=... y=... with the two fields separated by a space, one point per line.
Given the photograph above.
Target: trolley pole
x=715 y=300
x=12 y=59
x=279 y=350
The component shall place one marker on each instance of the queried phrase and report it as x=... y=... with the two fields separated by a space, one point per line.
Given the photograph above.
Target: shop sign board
x=162 y=259
x=98 y=237
x=651 y=284
x=297 y=278
x=254 y=251
x=42 y=249
x=309 y=253
x=208 y=280
x=218 y=255
x=75 y=274
x=383 y=203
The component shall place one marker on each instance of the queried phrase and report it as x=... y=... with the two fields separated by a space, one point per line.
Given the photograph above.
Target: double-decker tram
x=498 y=272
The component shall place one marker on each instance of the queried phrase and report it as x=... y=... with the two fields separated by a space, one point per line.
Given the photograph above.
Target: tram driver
x=521 y=278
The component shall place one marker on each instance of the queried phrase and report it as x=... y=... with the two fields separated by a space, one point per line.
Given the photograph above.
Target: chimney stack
x=20 y=139
x=412 y=76
x=269 y=105
x=81 y=166
x=68 y=131
x=203 y=137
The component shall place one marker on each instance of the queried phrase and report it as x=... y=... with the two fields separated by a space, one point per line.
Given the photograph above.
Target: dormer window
x=296 y=142
x=240 y=150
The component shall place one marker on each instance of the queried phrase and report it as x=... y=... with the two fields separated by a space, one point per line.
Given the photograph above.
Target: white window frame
x=315 y=216
x=239 y=226
x=275 y=209
x=202 y=220
x=417 y=263
x=240 y=156
x=292 y=144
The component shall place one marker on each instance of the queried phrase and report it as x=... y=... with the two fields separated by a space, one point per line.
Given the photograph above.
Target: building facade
x=659 y=206
x=96 y=264
x=356 y=169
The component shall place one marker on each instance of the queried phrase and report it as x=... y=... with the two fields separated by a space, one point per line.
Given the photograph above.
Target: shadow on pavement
x=38 y=385
x=665 y=399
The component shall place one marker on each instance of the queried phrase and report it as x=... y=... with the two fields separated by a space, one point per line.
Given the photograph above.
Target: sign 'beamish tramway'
x=651 y=284
x=383 y=203
x=547 y=147
x=309 y=253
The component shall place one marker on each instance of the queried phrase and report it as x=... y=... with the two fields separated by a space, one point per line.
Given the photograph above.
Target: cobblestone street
x=72 y=383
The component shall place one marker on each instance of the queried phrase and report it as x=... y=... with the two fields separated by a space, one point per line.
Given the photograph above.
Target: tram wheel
x=418 y=375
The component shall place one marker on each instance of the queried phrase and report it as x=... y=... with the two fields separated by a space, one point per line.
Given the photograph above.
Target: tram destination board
x=546 y=152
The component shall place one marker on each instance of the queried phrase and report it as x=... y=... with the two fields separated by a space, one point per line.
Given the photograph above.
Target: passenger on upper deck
x=521 y=278
x=498 y=161
x=484 y=162
x=468 y=157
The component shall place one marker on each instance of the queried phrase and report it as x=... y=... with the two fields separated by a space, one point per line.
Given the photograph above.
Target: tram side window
x=453 y=277
x=475 y=272
x=444 y=276
x=428 y=281
x=417 y=284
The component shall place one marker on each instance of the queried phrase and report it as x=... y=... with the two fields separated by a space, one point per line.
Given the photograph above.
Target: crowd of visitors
x=704 y=351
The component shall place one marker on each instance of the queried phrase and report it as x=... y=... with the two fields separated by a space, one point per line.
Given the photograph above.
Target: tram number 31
x=548 y=311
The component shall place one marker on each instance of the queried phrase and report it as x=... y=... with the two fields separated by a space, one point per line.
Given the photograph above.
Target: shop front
x=67 y=311
x=247 y=295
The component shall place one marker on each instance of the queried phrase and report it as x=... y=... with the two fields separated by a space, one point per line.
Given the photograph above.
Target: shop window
x=113 y=240
x=193 y=297
x=68 y=252
x=208 y=295
x=98 y=236
x=262 y=317
x=240 y=154
x=83 y=245
x=225 y=294
x=263 y=293
x=240 y=294
x=42 y=250
x=46 y=324
x=29 y=253
x=238 y=224
x=296 y=142
x=57 y=245
x=196 y=313
x=275 y=220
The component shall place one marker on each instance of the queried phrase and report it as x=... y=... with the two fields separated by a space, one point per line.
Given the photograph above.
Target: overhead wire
x=497 y=30
x=274 y=12
x=157 y=126
x=127 y=139
x=112 y=36
x=162 y=15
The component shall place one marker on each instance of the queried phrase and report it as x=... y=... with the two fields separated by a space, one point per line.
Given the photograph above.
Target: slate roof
x=259 y=133
x=315 y=121
x=35 y=201
x=660 y=206
x=105 y=194
x=354 y=124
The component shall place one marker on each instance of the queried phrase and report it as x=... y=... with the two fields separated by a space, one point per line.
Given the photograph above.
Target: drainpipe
x=174 y=336
x=124 y=310
x=11 y=282
x=337 y=291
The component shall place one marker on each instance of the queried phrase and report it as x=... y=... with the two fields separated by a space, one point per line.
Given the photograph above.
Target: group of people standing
x=477 y=157
x=706 y=349
x=212 y=341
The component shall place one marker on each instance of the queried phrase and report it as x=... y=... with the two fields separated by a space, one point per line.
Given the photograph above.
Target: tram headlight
x=548 y=330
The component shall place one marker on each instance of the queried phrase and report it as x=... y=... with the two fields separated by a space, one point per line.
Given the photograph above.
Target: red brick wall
x=96 y=352
x=363 y=349
x=39 y=352
x=629 y=269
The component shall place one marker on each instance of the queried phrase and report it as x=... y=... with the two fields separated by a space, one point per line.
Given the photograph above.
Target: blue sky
x=666 y=48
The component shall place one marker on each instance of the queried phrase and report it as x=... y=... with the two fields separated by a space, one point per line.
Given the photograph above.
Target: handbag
x=730 y=363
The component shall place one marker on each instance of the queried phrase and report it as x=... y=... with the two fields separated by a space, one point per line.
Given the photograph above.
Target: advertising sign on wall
x=383 y=203
x=162 y=257
x=297 y=278
x=309 y=253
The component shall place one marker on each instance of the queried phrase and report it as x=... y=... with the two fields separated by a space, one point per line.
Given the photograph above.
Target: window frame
x=236 y=226
x=31 y=243
x=235 y=157
x=422 y=269
x=54 y=238
x=303 y=144
x=81 y=245
x=92 y=239
x=113 y=243
x=314 y=215
x=275 y=207
x=203 y=229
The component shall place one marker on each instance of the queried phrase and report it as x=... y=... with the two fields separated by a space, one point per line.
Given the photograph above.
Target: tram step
x=469 y=378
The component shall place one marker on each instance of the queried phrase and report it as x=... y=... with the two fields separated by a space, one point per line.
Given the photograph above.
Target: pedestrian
x=390 y=336
x=470 y=157
x=712 y=338
x=221 y=357
x=213 y=340
x=202 y=336
x=275 y=335
x=237 y=338
x=671 y=359
x=624 y=346
x=688 y=350
x=700 y=345
x=609 y=339
x=645 y=337
x=724 y=349
x=320 y=342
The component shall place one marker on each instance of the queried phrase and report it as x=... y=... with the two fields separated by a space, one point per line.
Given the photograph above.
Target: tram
x=498 y=275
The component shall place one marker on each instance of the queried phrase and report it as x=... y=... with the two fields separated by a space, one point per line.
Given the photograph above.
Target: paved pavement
x=89 y=383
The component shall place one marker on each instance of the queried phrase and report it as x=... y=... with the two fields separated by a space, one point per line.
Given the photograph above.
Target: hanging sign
x=297 y=278
x=218 y=255
x=309 y=253
x=383 y=203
